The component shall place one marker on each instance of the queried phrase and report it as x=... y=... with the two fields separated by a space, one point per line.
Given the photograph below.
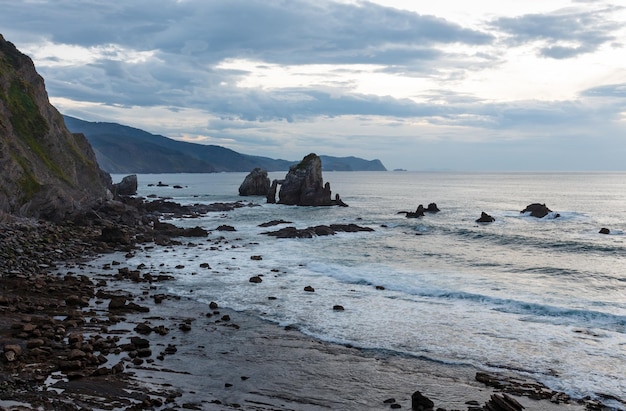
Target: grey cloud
x=609 y=90
x=294 y=32
x=587 y=29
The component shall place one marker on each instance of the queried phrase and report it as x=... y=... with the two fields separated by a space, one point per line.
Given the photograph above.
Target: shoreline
x=164 y=352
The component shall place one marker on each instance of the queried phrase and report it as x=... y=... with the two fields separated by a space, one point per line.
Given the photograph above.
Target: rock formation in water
x=538 y=210
x=126 y=187
x=420 y=211
x=304 y=185
x=257 y=183
x=485 y=218
x=46 y=171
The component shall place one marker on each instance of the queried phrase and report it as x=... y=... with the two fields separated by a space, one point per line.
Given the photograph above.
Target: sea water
x=543 y=297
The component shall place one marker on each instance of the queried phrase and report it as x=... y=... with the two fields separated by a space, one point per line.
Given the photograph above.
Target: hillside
x=121 y=149
x=46 y=171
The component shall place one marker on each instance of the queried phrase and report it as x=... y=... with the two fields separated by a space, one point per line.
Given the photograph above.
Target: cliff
x=45 y=171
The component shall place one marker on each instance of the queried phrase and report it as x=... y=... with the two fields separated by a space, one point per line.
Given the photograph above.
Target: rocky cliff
x=45 y=170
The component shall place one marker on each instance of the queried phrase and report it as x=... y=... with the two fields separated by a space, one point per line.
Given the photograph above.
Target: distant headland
x=122 y=149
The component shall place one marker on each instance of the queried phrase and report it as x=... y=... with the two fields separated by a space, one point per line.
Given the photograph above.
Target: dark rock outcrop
x=503 y=402
x=419 y=212
x=126 y=187
x=271 y=192
x=304 y=185
x=273 y=223
x=485 y=218
x=604 y=230
x=320 y=230
x=419 y=402
x=432 y=208
x=538 y=210
x=257 y=183
x=47 y=172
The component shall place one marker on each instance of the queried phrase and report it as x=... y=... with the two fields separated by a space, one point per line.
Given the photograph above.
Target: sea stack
x=304 y=186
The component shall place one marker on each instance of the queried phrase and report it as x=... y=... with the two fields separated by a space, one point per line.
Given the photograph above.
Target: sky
x=486 y=85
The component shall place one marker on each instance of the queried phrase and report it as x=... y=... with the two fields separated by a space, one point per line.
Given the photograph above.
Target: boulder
x=304 y=185
x=257 y=183
x=126 y=187
x=421 y=403
x=537 y=210
x=605 y=230
x=485 y=218
x=432 y=208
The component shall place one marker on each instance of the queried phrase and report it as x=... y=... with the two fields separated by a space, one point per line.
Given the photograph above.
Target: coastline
x=187 y=354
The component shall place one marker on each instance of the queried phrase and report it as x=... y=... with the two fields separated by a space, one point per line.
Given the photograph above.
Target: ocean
x=542 y=297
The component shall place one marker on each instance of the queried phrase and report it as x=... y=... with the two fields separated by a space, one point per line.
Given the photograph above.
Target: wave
x=528 y=311
x=569 y=273
x=551 y=244
x=538 y=312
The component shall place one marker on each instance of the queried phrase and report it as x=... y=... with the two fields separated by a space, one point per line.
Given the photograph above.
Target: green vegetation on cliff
x=46 y=171
x=29 y=124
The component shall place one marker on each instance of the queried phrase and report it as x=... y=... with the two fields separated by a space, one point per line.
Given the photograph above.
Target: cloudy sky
x=486 y=85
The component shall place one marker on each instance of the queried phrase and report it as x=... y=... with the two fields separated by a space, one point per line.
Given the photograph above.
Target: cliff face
x=45 y=170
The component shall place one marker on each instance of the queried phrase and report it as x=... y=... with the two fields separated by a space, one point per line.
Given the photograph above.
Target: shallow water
x=546 y=297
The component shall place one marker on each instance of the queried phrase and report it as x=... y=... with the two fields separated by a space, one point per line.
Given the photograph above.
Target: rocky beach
x=83 y=326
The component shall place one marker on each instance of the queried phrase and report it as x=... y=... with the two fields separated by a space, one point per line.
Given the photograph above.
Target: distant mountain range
x=121 y=149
